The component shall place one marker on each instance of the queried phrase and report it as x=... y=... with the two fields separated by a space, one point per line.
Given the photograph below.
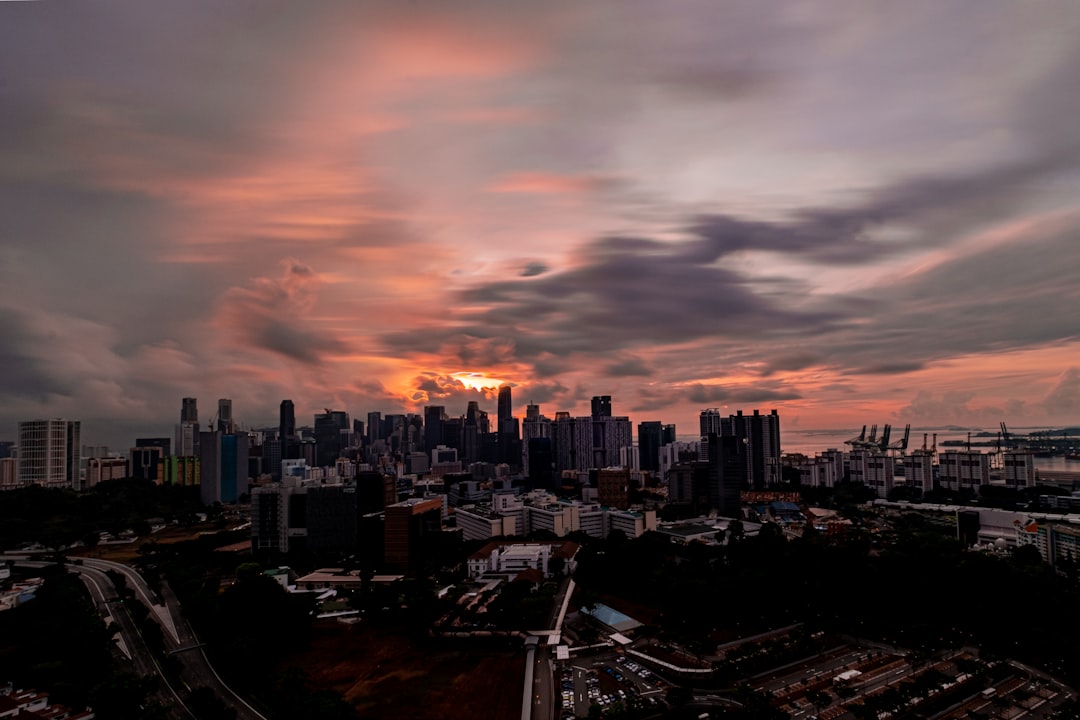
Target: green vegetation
x=58 y=643
x=57 y=518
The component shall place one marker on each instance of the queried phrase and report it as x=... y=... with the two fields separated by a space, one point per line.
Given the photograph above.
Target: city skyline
x=381 y=208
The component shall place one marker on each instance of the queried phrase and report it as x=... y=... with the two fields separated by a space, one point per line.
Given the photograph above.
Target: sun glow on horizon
x=478 y=381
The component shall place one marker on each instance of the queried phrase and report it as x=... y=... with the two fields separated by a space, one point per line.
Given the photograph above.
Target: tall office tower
x=186 y=441
x=572 y=442
x=536 y=427
x=49 y=453
x=509 y=431
x=667 y=434
x=328 y=427
x=223 y=461
x=540 y=462
x=650 y=438
x=411 y=528
x=727 y=466
x=188 y=411
x=452 y=434
x=434 y=416
x=224 y=416
x=610 y=434
x=374 y=427
x=616 y=433
x=710 y=422
x=506 y=417
x=358 y=432
x=290 y=443
x=470 y=432
x=759 y=433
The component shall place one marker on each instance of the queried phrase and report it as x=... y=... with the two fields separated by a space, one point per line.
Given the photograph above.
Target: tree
x=208 y=706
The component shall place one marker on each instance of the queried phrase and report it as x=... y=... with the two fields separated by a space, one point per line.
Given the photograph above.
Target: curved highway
x=180 y=639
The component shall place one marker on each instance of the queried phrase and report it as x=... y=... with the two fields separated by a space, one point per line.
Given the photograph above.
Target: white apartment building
x=1019 y=469
x=919 y=470
x=873 y=469
x=964 y=470
x=49 y=453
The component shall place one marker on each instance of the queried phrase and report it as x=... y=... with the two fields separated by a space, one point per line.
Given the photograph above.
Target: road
x=180 y=639
x=543 y=707
x=130 y=643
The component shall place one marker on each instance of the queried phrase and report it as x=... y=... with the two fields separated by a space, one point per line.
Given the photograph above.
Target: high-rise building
x=410 y=528
x=572 y=443
x=727 y=473
x=189 y=411
x=49 y=453
x=144 y=463
x=224 y=416
x=918 y=470
x=759 y=433
x=472 y=432
x=963 y=470
x=650 y=438
x=146 y=456
x=223 y=463
x=535 y=428
x=328 y=427
x=187 y=430
x=1019 y=469
x=434 y=416
x=601 y=406
x=374 y=427
x=509 y=431
x=289 y=448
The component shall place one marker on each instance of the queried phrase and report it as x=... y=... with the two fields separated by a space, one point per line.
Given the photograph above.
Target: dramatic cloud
x=840 y=212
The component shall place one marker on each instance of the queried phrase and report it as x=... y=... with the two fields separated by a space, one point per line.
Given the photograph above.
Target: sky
x=850 y=212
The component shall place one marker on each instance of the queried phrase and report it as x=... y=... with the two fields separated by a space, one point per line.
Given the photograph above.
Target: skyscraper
x=189 y=411
x=506 y=410
x=290 y=444
x=328 y=427
x=434 y=416
x=509 y=434
x=610 y=434
x=49 y=453
x=186 y=442
x=760 y=434
x=650 y=438
x=225 y=418
x=223 y=463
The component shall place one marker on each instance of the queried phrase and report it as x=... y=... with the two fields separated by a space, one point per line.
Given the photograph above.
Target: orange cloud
x=550 y=183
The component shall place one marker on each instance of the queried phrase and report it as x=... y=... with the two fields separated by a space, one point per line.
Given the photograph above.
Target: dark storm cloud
x=628 y=367
x=533 y=269
x=628 y=293
x=1006 y=297
x=707 y=394
x=24 y=375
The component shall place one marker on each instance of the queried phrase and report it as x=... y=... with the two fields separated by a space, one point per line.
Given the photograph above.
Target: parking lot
x=606 y=681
